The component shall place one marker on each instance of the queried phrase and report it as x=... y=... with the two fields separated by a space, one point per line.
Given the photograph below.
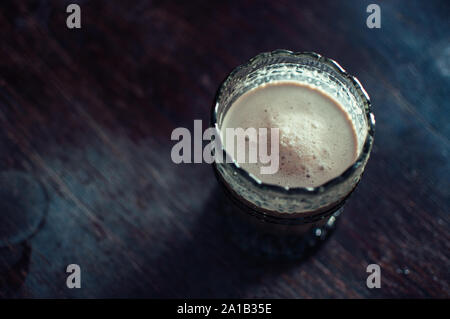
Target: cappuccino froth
x=317 y=140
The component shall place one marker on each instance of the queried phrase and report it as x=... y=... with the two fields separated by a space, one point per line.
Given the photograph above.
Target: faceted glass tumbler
x=275 y=220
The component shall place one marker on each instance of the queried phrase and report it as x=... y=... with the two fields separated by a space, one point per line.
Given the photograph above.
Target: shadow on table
x=210 y=265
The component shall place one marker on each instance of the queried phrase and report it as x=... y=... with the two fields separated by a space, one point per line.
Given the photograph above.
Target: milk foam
x=317 y=138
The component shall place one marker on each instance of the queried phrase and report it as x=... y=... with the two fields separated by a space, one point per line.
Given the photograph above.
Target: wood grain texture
x=90 y=112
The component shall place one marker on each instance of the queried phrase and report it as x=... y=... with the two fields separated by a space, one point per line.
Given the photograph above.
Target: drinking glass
x=273 y=220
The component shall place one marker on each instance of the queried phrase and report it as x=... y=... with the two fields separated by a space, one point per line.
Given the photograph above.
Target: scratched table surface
x=89 y=112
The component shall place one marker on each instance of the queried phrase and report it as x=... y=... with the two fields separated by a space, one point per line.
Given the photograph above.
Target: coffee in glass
x=326 y=133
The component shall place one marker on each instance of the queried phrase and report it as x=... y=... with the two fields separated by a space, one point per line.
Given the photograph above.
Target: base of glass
x=276 y=246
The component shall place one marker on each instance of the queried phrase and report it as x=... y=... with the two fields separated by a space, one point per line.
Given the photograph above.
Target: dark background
x=89 y=112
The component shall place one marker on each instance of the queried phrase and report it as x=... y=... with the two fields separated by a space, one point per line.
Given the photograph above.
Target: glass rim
x=365 y=152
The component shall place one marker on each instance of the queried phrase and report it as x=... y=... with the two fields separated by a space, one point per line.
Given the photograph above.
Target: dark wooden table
x=89 y=112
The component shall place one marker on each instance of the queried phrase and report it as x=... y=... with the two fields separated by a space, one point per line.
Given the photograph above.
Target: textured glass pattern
x=316 y=71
